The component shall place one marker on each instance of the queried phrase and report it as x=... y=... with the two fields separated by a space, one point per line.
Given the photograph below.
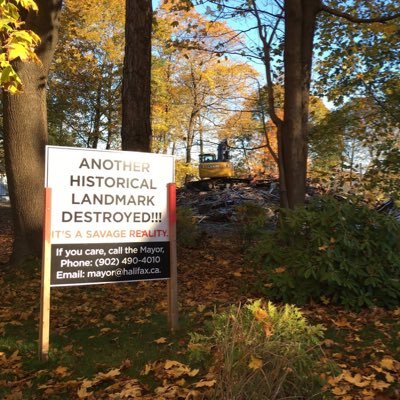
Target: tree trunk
x=300 y=19
x=96 y=134
x=136 y=124
x=190 y=137
x=25 y=135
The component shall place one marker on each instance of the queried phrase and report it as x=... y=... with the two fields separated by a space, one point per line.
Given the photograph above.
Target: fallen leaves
x=177 y=379
x=369 y=368
x=389 y=363
x=255 y=362
x=378 y=380
x=356 y=380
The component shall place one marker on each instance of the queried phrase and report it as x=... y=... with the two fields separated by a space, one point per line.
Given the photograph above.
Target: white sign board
x=109 y=217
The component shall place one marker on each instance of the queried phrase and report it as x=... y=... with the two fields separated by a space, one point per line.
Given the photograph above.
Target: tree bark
x=300 y=21
x=25 y=135
x=136 y=116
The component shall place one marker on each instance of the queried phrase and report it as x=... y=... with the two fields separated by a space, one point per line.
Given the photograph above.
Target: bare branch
x=356 y=19
x=267 y=64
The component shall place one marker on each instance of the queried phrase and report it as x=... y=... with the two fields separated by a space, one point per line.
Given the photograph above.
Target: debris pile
x=389 y=207
x=220 y=205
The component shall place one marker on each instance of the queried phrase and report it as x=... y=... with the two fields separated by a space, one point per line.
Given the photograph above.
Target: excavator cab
x=216 y=167
x=203 y=158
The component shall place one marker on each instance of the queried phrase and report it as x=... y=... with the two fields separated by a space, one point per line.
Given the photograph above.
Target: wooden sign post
x=173 y=280
x=44 y=322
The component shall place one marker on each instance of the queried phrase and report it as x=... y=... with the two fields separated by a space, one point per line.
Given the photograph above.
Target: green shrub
x=250 y=221
x=187 y=232
x=333 y=250
x=262 y=352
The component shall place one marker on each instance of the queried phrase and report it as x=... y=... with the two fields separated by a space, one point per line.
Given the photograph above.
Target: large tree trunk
x=136 y=125
x=25 y=135
x=300 y=20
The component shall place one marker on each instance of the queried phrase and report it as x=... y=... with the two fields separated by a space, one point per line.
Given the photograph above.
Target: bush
x=262 y=353
x=187 y=232
x=250 y=220
x=333 y=250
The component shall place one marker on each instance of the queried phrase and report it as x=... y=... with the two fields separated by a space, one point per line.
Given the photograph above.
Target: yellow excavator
x=215 y=171
x=216 y=167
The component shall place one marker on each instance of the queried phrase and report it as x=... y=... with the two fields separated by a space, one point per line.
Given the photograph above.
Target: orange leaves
x=260 y=314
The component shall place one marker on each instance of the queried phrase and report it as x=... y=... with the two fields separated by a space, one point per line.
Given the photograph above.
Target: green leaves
x=340 y=251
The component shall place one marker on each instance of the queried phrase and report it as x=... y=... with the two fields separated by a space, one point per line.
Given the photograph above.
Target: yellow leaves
x=201 y=308
x=341 y=322
x=17 y=43
x=388 y=363
x=161 y=340
x=396 y=312
x=389 y=377
x=21 y=44
x=338 y=391
x=380 y=385
x=348 y=381
x=356 y=380
x=83 y=392
x=131 y=389
x=62 y=371
x=28 y=4
x=170 y=369
x=174 y=376
x=255 y=363
x=108 y=375
x=205 y=383
x=279 y=270
x=110 y=318
x=9 y=80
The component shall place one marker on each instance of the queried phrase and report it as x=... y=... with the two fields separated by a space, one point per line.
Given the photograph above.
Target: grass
x=102 y=328
x=88 y=350
x=93 y=329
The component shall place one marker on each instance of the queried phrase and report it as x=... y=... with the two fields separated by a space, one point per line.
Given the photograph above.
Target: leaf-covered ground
x=112 y=341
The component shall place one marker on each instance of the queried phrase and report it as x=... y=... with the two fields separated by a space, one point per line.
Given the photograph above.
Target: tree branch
x=355 y=19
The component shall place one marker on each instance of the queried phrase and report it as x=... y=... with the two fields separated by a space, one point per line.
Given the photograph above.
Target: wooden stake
x=44 y=322
x=173 y=280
